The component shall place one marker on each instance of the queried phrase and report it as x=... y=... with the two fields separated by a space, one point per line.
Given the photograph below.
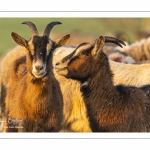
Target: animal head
x=39 y=48
x=85 y=59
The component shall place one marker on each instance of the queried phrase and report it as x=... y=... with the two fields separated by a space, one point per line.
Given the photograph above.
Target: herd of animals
x=49 y=86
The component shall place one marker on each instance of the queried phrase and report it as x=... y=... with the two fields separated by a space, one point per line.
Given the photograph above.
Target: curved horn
x=109 y=39
x=32 y=27
x=49 y=27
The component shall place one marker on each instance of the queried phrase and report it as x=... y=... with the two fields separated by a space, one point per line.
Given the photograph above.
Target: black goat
x=109 y=108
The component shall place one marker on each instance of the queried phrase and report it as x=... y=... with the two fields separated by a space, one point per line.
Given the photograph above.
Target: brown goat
x=109 y=108
x=34 y=101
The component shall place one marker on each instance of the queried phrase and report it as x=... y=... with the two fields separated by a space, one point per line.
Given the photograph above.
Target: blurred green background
x=81 y=29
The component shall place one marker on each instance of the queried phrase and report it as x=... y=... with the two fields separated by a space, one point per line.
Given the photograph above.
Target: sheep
x=118 y=57
x=110 y=108
x=130 y=74
x=74 y=110
x=139 y=50
x=110 y=49
x=5 y=66
x=34 y=101
x=6 y=63
x=116 y=53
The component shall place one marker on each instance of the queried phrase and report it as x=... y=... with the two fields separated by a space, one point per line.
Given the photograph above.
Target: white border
x=67 y=135
x=74 y=5
x=74 y=14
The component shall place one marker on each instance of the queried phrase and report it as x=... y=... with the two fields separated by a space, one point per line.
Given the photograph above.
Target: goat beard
x=38 y=80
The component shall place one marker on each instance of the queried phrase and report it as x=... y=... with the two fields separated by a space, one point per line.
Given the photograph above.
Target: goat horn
x=49 y=27
x=114 y=40
x=32 y=27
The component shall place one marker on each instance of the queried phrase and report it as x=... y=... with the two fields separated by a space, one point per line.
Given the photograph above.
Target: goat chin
x=39 y=76
x=62 y=72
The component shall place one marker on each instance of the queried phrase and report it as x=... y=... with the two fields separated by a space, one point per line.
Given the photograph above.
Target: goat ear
x=62 y=41
x=99 y=43
x=18 y=39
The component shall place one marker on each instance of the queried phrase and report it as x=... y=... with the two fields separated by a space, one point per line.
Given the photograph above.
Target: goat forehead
x=68 y=57
x=40 y=41
x=39 y=45
x=83 y=47
x=79 y=49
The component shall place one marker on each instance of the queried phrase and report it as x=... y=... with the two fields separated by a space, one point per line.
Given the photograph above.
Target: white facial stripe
x=48 y=47
x=82 y=48
x=31 y=47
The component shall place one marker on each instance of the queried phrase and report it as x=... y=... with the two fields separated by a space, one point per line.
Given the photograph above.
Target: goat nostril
x=57 y=63
x=39 y=68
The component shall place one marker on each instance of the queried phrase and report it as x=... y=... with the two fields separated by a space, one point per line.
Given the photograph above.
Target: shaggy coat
x=109 y=108
x=37 y=102
x=6 y=64
x=138 y=51
x=75 y=116
x=34 y=101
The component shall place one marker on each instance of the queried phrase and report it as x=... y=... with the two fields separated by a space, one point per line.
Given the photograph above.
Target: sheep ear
x=99 y=43
x=18 y=39
x=62 y=41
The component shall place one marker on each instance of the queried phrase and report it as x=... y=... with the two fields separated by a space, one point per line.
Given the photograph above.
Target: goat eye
x=83 y=53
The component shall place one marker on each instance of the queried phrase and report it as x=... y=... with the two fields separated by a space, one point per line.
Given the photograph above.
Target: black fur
x=109 y=108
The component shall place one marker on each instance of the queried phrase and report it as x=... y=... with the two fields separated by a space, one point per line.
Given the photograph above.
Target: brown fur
x=33 y=93
x=34 y=102
x=110 y=108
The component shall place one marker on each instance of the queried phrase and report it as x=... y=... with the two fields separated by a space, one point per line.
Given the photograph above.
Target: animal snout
x=38 y=68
